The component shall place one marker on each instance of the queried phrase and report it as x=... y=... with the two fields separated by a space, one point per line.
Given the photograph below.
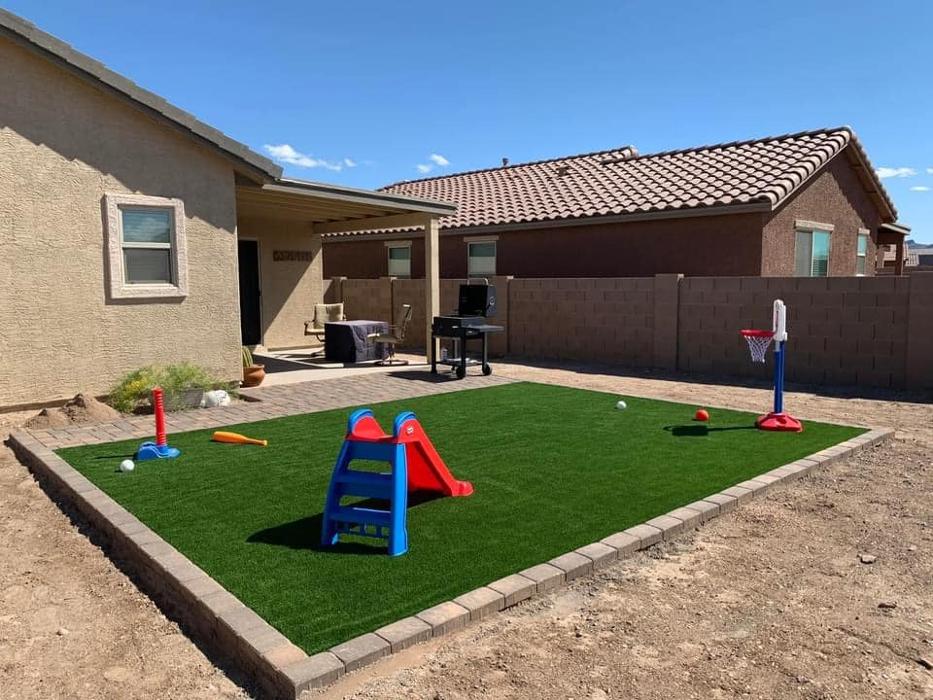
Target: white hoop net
x=758 y=342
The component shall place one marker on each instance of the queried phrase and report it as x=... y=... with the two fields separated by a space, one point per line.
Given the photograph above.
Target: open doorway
x=250 y=292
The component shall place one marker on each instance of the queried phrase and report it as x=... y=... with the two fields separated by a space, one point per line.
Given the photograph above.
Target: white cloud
x=284 y=153
x=437 y=160
x=920 y=188
x=349 y=162
x=929 y=171
x=895 y=172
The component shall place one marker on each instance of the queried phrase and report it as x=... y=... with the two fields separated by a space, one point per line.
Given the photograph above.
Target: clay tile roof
x=620 y=181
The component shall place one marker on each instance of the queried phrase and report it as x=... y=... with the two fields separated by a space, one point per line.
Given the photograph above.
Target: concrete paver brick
x=647 y=535
x=739 y=493
x=624 y=543
x=514 y=588
x=314 y=671
x=669 y=527
x=405 y=633
x=481 y=602
x=688 y=516
x=445 y=617
x=361 y=650
x=601 y=554
x=546 y=577
x=573 y=564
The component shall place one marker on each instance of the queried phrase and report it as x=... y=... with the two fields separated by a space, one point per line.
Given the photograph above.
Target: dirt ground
x=771 y=601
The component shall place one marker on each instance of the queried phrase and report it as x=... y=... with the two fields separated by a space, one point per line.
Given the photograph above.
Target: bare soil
x=771 y=601
x=80 y=410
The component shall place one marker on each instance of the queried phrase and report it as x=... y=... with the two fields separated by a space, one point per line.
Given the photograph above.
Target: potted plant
x=253 y=374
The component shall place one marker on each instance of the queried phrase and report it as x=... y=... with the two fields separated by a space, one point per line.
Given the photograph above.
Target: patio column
x=432 y=281
x=899 y=257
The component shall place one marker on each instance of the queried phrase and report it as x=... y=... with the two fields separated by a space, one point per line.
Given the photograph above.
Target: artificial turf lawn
x=554 y=469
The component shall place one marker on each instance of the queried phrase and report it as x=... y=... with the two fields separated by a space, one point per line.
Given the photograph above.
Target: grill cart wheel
x=487 y=369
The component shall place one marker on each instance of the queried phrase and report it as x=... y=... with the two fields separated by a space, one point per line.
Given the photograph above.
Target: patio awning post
x=432 y=281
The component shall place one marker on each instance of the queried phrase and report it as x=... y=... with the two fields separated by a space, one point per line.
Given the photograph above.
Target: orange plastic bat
x=236 y=438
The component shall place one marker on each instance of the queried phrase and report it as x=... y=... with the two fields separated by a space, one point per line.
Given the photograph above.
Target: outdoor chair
x=323 y=313
x=394 y=337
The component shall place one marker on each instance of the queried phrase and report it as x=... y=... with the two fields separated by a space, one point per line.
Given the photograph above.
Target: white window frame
x=114 y=204
x=812 y=227
x=397 y=244
x=866 y=234
x=482 y=239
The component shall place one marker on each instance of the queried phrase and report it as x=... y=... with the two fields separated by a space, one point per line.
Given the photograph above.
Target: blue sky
x=363 y=93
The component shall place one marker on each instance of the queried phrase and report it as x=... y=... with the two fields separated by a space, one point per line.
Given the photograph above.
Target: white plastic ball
x=621 y=405
x=127 y=465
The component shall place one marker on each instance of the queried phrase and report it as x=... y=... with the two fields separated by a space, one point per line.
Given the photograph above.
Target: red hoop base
x=782 y=422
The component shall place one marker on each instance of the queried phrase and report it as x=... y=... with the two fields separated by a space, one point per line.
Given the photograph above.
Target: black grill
x=476 y=303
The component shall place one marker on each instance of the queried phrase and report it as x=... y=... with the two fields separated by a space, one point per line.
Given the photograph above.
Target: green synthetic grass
x=554 y=469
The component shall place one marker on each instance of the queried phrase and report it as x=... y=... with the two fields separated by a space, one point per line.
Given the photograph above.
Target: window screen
x=481 y=259
x=147 y=246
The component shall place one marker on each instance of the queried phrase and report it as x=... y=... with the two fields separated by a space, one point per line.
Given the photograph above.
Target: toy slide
x=414 y=466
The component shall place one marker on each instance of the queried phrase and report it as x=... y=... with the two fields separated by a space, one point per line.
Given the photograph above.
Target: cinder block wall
x=601 y=319
x=843 y=330
x=367 y=299
x=867 y=331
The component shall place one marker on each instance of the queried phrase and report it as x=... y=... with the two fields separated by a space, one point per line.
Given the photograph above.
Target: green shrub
x=134 y=390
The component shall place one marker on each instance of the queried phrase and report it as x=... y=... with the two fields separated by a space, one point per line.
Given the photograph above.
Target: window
x=399 y=259
x=146 y=247
x=811 y=253
x=861 y=253
x=481 y=258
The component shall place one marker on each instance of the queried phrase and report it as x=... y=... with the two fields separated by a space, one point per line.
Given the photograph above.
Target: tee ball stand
x=159 y=449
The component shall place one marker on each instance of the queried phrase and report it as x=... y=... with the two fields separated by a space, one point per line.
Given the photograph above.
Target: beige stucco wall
x=63 y=145
x=834 y=196
x=290 y=287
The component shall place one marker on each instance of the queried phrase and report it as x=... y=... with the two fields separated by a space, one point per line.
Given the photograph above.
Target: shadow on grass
x=701 y=429
x=305 y=533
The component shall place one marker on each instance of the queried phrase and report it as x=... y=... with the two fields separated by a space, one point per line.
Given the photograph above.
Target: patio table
x=349 y=341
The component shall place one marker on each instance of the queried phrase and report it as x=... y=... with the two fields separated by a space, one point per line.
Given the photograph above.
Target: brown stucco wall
x=290 y=287
x=702 y=245
x=834 y=196
x=63 y=145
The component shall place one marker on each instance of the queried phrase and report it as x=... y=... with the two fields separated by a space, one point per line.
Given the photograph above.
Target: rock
x=926 y=663
x=887 y=605
x=62 y=631
x=867 y=558
x=911 y=548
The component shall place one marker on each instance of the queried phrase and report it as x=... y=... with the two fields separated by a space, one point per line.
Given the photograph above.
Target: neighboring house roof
x=739 y=176
x=58 y=51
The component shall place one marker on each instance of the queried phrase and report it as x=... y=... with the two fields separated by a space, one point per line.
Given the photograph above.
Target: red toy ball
x=701 y=415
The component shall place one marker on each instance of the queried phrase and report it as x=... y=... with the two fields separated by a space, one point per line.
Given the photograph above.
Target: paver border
x=280 y=668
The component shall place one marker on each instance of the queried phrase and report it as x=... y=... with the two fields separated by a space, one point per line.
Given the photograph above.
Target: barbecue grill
x=476 y=303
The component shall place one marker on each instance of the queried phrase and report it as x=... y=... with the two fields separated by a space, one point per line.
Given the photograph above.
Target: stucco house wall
x=64 y=145
x=834 y=196
x=290 y=267
x=699 y=245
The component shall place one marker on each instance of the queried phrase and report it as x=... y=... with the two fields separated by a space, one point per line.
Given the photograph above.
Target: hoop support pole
x=779 y=376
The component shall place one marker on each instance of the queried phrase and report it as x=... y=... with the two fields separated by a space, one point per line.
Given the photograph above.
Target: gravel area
x=820 y=589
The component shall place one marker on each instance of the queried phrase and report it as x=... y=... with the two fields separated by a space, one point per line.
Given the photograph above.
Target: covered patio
x=279 y=230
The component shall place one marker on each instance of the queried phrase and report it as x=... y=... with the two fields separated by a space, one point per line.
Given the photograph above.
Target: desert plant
x=134 y=389
x=247 y=357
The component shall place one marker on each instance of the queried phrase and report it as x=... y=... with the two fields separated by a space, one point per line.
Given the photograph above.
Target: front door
x=250 y=294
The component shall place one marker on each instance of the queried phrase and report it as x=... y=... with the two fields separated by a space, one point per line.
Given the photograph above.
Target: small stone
x=911 y=548
x=886 y=605
x=867 y=558
x=926 y=663
x=62 y=631
x=803 y=680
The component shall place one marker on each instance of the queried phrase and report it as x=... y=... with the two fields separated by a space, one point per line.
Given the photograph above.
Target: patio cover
x=335 y=209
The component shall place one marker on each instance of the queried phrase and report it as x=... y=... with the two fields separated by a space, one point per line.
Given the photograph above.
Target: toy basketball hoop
x=758 y=343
